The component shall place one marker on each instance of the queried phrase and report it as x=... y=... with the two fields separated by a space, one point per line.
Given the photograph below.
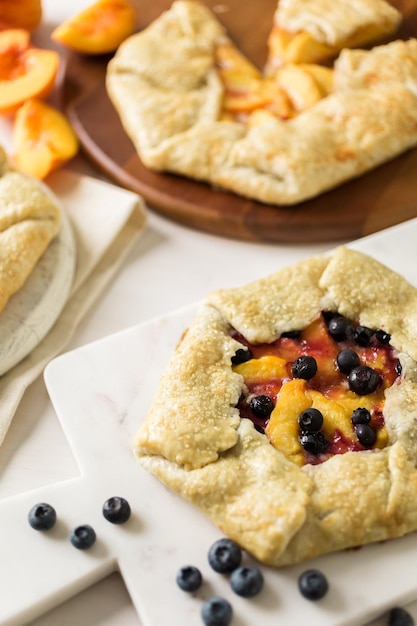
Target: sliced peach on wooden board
x=25 y=14
x=43 y=139
x=98 y=29
x=25 y=72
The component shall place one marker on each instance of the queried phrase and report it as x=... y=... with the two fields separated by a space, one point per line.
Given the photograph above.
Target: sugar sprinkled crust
x=164 y=84
x=194 y=441
x=29 y=220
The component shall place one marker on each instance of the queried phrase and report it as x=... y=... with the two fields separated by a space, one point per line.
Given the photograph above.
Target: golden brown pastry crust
x=194 y=441
x=29 y=220
x=164 y=84
x=334 y=23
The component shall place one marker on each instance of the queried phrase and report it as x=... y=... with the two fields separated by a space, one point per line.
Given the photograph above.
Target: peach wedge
x=25 y=14
x=98 y=29
x=43 y=139
x=25 y=72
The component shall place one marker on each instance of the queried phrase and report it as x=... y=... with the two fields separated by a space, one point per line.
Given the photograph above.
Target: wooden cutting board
x=377 y=200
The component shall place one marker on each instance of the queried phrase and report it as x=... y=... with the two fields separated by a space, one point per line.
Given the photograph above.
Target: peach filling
x=319 y=391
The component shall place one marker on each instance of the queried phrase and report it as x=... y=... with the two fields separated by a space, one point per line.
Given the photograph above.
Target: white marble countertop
x=170 y=267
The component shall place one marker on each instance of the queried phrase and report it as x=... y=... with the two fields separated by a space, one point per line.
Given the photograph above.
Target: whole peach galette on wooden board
x=288 y=412
x=321 y=112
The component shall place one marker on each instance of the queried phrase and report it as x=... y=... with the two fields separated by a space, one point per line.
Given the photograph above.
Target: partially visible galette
x=314 y=31
x=29 y=220
x=194 y=105
x=288 y=413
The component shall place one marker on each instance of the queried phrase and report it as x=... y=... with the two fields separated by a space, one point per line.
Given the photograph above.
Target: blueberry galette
x=288 y=413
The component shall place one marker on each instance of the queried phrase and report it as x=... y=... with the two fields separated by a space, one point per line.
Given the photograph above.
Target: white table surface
x=171 y=266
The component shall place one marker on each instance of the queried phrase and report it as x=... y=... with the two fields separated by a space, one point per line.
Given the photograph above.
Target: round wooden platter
x=382 y=198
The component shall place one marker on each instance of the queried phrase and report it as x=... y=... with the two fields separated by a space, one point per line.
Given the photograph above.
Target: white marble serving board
x=101 y=393
x=31 y=312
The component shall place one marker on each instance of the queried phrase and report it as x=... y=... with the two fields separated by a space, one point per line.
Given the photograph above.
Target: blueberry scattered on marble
x=224 y=555
x=313 y=584
x=116 y=510
x=216 y=611
x=83 y=537
x=400 y=617
x=189 y=578
x=42 y=516
x=246 y=581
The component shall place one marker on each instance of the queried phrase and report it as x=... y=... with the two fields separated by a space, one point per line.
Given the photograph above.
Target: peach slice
x=323 y=76
x=25 y=14
x=43 y=139
x=25 y=72
x=99 y=28
x=300 y=86
x=299 y=47
x=245 y=88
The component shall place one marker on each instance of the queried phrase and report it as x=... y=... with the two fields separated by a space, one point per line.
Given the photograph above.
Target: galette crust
x=29 y=220
x=392 y=63
x=194 y=441
x=165 y=87
x=334 y=23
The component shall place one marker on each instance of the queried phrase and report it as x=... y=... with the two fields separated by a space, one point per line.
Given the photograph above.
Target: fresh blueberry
x=340 y=328
x=304 y=367
x=361 y=416
x=291 y=334
x=400 y=617
x=310 y=420
x=216 y=612
x=363 y=380
x=42 y=516
x=241 y=356
x=262 y=406
x=246 y=581
x=346 y=360
x=189 y=578
x=366 y=435
x=363 y=336
x=315 y=443
x=83 y=537
x=313 y=584
x=224 y=555
x=382 y=336
x=116 y=510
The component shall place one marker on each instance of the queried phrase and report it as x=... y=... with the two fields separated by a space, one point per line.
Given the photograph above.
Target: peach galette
x=319 y=113
x=288 y=412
